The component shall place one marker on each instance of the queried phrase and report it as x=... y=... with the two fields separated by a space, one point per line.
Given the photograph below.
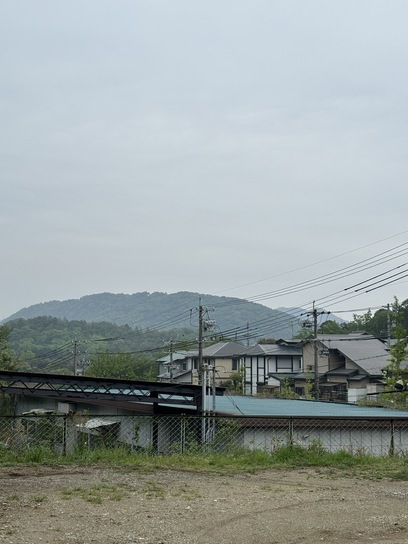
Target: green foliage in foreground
x=289 y=457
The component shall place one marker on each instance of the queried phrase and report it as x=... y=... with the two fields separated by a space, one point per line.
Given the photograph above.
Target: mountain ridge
x=159 y=309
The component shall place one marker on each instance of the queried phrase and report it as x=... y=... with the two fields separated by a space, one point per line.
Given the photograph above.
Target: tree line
x=53 y=345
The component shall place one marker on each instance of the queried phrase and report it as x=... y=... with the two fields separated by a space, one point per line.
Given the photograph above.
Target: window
x=234 y=366
x=288 y=363
x=296 y=363
x=283 y=364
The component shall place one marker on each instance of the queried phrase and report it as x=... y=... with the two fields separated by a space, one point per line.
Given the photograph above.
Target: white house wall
x=354 y=395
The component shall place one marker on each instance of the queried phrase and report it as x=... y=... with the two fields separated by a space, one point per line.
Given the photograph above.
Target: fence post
x=155 y=423
x=290 y=431
x=64 y=435
x=182 y=433
x=391 y=451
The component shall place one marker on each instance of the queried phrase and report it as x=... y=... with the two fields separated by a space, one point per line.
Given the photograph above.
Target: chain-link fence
x=66 y=434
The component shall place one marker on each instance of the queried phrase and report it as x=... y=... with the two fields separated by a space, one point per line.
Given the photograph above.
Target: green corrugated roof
x=250 y=406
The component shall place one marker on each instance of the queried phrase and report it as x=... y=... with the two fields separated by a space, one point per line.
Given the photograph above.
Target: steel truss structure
x=86 y=389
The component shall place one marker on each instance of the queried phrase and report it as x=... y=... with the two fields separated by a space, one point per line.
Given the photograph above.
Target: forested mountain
x=49 y=344
x=165 y=311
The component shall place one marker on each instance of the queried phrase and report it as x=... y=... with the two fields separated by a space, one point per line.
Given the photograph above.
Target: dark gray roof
x=177 y=356
x=282 y=376
x=351 y=336
x=308 y=375
x=223 y=349
x=271 y=349
x=369 y=353
x=176 y=374
x=358 y=378
x=342 y=372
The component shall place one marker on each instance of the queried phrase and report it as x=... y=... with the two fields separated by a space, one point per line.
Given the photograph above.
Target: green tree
x=7 y=359
x=7 y=362
x=303 y=334
x=286 y=391
x=361 y=322
x=123 y=366
x=397 y=367
x=378 y=325
x=237 y=381
x=330 y=327
x=309 y=386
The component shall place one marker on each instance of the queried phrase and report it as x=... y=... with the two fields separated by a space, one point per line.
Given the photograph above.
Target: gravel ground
x=81 y=506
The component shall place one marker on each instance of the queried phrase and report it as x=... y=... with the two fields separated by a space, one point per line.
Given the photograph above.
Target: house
x=350 y=367
x=223 y=358
x=268 y=366
x=177 y=367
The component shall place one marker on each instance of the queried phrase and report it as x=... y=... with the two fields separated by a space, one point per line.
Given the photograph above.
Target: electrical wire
x=267 y=324
x=359 y=267
x=315 y=263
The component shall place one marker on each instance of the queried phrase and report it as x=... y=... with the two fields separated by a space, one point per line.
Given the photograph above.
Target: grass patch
x=37 y=455
x=12 y=498
x=153 y=491
x=241 y=460
x=96 y=493
x=185 y=492
x=39 y=498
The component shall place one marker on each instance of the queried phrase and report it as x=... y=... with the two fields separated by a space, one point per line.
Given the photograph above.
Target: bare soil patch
x=64 y=505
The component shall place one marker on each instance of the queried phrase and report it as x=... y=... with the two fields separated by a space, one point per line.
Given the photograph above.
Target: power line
x=315 y=263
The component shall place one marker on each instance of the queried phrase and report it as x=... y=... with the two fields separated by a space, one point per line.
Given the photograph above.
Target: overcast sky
x=202 y=145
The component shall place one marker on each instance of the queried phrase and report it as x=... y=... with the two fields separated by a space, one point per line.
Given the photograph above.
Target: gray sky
x=201 y=145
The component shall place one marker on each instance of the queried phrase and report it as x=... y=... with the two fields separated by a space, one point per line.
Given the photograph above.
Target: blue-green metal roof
x=250 y=406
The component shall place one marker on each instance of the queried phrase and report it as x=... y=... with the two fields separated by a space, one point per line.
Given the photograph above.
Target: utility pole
x=75 y=354
x=80 y=365
x=171 y=363
x=200 y=356
x=388 y=326
x=202 y=372
x=316 y=355
x=203 y=325
x=315 y=315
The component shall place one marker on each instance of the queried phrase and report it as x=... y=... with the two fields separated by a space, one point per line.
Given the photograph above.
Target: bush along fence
x=65 y=434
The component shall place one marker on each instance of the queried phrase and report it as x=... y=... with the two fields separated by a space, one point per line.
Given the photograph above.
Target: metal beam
x=83 y=387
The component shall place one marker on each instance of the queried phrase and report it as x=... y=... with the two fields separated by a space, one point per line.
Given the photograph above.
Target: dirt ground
x=75 y=505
